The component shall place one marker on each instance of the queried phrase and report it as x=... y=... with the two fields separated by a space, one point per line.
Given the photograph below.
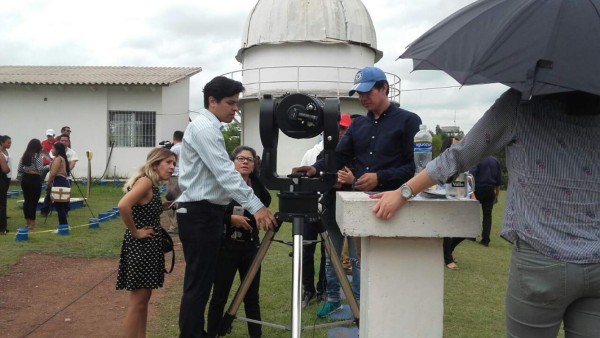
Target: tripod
x=299 y=209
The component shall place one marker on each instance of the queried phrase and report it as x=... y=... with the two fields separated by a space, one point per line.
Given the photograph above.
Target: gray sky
x=183 y=33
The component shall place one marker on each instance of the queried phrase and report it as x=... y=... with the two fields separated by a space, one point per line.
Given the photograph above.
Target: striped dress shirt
x=205 y=170
x=553 y=197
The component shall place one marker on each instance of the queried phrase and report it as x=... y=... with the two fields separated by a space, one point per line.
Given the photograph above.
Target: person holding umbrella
x=549 y=125
x=552 y=206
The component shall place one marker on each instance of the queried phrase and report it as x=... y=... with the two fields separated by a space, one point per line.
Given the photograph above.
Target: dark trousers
x=311 y=233
x=200 y=232
x=47 y=205
x=61 y=207
x=32 y=190
x=486 y=195
x=233 y=257
x=450 y=243
x=4 y=183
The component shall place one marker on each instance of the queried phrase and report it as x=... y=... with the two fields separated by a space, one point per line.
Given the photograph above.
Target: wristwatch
x=406 y=191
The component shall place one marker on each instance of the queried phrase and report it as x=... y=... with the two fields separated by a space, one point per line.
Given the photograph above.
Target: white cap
x=50 y=132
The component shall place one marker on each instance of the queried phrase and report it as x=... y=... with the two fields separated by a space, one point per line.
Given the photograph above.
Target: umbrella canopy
x=535 y=46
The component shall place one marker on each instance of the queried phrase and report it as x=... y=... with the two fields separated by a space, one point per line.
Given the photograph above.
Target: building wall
x=175 y=108
x=27 y=111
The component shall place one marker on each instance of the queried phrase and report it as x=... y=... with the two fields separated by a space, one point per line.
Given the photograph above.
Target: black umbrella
x=535 y=46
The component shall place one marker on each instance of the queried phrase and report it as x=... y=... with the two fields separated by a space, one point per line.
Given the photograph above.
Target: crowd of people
x=50 y=161
x=222 y=205
x=217 y=204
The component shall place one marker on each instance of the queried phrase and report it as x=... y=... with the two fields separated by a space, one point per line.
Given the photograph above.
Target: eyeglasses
x=242 y=159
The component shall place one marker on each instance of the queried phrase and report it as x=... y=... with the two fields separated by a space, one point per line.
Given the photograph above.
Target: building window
x=132 y=128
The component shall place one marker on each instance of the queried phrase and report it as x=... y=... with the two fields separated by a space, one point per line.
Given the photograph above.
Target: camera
x=165 y=144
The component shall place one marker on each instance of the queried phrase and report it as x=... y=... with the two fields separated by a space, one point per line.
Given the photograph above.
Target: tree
x=436 y=144
x=232 y=135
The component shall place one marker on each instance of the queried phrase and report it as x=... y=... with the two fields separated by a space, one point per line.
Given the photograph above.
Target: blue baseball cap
x=365 y=79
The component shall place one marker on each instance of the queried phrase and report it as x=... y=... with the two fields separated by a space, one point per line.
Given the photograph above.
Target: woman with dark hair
x=239 y=247
x=59 y=173
x=5 y=176
x=31 y=172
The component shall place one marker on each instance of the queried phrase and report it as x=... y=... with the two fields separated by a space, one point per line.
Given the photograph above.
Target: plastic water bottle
x=422 y=148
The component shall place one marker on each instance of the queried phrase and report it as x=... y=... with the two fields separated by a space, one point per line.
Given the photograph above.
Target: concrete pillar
x=402 y=265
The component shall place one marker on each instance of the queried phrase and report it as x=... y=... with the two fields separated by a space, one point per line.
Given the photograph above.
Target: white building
x=310 y=47
x=117 y=113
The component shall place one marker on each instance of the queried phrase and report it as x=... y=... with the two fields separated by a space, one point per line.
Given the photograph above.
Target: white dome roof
x=324 y=21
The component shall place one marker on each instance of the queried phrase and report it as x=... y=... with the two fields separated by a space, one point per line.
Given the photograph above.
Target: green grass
x=474 y=295
x=83 y=242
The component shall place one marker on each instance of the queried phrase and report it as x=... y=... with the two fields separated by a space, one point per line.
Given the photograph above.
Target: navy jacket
x=383 y=146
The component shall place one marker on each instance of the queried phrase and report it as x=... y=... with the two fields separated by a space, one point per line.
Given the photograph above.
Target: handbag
x=60 y=194
x=167 y=246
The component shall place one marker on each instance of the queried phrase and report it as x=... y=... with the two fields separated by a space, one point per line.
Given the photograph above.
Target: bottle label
x=422 y=146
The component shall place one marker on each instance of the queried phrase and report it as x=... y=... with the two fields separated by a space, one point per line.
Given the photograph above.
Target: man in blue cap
x=379 y=146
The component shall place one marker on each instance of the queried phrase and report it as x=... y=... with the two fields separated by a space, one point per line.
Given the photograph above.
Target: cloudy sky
x=207 y=34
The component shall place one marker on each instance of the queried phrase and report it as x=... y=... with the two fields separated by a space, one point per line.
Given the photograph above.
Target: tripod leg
x=229 y=316
x=339 y=272
x=297 y=231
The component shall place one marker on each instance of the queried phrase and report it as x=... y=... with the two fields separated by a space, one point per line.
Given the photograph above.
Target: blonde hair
x=154 y=158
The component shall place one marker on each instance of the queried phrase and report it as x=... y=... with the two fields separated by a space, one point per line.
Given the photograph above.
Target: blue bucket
x=22 y=234
x=103 y=216
x=113 y=214
x=63 y=229
x=94 y=223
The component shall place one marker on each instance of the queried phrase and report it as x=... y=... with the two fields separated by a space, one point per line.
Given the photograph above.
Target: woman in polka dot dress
x=142 y=259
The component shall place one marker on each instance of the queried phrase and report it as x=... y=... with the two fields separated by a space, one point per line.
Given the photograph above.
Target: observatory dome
x=320 y=21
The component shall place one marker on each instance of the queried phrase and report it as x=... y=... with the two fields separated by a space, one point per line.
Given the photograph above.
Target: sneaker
x=306 y=298
x=329 y=308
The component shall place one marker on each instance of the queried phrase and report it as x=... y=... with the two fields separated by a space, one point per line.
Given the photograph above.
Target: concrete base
x=402 y=266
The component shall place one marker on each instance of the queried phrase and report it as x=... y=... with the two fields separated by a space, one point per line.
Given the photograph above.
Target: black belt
x=238 y=243
x=201 y=203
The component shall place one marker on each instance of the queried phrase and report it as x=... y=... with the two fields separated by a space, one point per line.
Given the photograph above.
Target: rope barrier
x=22 y=234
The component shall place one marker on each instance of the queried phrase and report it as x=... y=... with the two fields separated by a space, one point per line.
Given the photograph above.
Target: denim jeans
x=543 y=292
x=333 y=283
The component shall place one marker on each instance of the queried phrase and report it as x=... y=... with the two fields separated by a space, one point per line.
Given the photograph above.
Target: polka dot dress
x=142 y=261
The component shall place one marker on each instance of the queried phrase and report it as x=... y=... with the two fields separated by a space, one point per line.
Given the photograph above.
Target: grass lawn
x=474 y=295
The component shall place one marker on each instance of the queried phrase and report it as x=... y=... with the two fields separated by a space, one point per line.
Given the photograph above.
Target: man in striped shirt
x=208 y=181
